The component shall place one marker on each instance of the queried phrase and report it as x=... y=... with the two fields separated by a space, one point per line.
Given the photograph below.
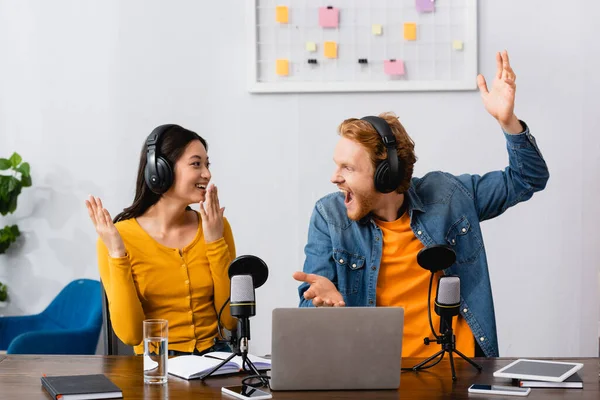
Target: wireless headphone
x=388 y=173
x=158 y=172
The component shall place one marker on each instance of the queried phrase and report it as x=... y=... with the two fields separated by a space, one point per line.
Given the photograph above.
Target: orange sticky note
x=410 y=31
x=282 y=67
x=281 y=14
x=330 y=49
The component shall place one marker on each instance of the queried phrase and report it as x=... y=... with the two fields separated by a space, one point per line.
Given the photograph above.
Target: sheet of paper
x=457 y=45
x=281 y=14
x=329 y=17
x=393 y=67
x=330 y=49
x=282 y=67
x=424 y=6
x=410 y=31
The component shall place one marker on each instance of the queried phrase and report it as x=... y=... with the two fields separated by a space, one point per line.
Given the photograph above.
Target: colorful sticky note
x=376 y=29
x=281 y=14
x=311 y=46
x=410 y=31
x=330 y=49
x=457 y=45
x=282 y=67
x=329 y=17
x=393 y=67
x=425 y=5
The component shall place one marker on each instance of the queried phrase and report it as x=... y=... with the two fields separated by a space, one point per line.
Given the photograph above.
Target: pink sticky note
x=329 y=17
x=425 y=5
x=393 y=67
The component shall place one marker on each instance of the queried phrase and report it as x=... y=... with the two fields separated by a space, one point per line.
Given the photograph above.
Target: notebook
x=193 y=367
x=76 y=387
x=572 y=382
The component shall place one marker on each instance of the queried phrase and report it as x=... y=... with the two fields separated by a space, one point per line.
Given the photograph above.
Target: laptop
x=336 y=348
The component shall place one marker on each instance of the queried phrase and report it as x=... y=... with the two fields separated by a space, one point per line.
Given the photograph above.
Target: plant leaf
x=26 y=180
x=5 y=164
x=4 y=188
x=15 y=160
x=24 y=169
x=12 y=183
x=12 y=203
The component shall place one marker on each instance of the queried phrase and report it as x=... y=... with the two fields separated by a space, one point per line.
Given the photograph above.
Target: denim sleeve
x=319 y=254
x=527 y=173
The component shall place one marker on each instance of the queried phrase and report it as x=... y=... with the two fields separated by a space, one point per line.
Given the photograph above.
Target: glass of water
x=156 y=342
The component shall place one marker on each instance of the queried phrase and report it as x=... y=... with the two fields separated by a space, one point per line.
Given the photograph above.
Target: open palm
x=499 y=101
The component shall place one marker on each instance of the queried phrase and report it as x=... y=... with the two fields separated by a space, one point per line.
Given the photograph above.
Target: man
x=363 y=242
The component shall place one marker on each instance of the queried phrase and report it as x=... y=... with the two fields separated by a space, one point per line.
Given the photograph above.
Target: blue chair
x=71 y=324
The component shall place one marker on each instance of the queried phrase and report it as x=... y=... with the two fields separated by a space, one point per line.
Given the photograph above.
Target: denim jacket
x=443 y=209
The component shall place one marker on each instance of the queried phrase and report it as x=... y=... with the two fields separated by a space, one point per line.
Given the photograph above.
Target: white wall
x=83 y=82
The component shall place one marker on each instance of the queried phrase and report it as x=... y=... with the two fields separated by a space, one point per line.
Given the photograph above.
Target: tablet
x=538 y=370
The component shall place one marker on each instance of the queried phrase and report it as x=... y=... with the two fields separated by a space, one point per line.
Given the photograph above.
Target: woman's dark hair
x=172 y=145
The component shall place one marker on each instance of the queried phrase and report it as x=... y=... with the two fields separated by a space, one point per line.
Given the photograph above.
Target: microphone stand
x=447 y=340
x=240 y=348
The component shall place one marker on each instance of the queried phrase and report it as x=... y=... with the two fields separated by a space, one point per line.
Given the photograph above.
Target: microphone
x=246 y=273
x=447 y=304
x=243 y=305
x=447 y=301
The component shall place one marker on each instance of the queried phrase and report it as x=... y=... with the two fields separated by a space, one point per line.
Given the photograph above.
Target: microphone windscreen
x=242 y=289
x=448 y=292
x=250 y=265
x=436 y=257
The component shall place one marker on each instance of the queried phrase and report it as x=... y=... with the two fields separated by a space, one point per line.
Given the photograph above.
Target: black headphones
x=158 y=172
x=388 y=173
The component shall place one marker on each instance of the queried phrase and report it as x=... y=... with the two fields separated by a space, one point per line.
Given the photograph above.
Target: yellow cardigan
x=185 y=286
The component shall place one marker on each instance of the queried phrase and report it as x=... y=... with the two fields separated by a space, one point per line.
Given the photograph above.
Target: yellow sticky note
x=457 y=45
x=410 y=31
x=376 y=29
x=281 y=14
x=282 y=67
x=311 y=46
x=330 y=49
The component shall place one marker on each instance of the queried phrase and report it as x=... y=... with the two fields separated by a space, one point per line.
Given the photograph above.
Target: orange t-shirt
x=403 y=283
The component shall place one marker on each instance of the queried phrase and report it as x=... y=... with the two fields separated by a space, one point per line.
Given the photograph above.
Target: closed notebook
x=75 y=387
x=572 y=382
x=193 y=367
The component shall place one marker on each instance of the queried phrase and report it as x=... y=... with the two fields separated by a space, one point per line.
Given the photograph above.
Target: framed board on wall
x=361 y=45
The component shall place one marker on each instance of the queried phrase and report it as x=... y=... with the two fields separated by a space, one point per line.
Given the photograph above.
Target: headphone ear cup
x=382 y=178
x=165 y=175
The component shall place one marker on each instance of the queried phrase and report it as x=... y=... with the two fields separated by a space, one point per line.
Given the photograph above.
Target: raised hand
x=499 y=101
x=212 y=215
x=322 y=291
x=105 y=228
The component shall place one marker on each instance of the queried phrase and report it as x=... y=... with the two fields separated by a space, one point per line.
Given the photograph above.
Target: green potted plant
x=15 y=178
x=3 y=295
x=10 y=188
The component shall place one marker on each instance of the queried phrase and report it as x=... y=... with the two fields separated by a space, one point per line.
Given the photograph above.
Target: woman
x=161 y=259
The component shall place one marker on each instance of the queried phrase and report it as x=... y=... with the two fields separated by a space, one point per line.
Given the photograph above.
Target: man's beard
x=363 y=205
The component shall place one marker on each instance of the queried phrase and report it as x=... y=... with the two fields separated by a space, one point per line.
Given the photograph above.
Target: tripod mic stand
x=240 y=348
x=446 y=339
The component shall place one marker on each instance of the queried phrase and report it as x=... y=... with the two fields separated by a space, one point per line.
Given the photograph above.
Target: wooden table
x=20 y=379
